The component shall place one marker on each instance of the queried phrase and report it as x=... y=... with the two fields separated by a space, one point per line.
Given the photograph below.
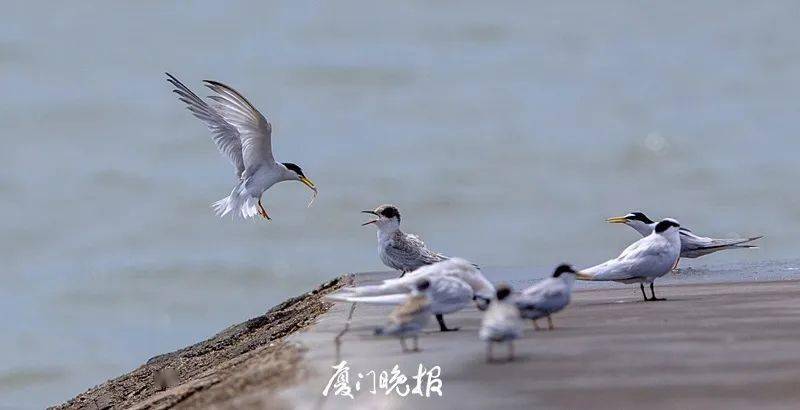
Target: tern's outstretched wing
x=226 y=136
x=391 y=299
x=467 y=276
x=254 y=130
x=446 y=292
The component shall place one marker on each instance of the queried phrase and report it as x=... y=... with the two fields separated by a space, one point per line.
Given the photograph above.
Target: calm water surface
x=505 y=133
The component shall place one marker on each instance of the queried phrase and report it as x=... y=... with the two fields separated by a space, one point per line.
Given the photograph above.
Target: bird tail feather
x=238 y=204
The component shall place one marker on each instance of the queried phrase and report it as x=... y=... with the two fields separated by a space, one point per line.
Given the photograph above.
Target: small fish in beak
x=307 y=182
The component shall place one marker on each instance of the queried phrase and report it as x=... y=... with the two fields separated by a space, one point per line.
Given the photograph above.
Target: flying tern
x=692 y=245
x=245 y=137
x=643 y=261
x=501 y=323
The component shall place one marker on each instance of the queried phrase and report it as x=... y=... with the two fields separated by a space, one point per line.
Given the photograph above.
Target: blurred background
x=506 y=133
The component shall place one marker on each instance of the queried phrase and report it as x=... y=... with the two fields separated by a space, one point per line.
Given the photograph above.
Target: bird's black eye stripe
x=563 y=268
x=638 y=216
x=293 y=167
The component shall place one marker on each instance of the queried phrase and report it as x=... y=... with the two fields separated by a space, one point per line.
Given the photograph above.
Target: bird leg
x=536 y=325
x=402 y=273
x=644 y=295
x=416 y=343
x=549 y=323
x=675 y=266
x=403 y=344
x=489 y=352
x=443 y=327
x=262 y=211
x=653 y=292
x=510 y=350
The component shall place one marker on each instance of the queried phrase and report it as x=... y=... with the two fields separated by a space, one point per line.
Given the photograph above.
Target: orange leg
x=262 y=211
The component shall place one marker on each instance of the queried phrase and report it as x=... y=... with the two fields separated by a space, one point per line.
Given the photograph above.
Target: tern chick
x=643 y=261
x=399 y=250
x=692 y=246
x=408 y=319
x=245 y=137
x=501 y=323
x=549 y=296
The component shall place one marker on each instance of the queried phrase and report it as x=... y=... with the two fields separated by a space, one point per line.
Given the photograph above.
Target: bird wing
x=547 y=295
x=637 y=248
x=388 y=287
x=537 y=287
x=226 y=136
x=645 y=258
x=690 y=241
x=450 y=291
x=409 y=249
x=455 y=268
x=392 y=299
x=254 y=130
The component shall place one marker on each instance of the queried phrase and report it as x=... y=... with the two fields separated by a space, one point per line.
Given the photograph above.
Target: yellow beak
x=308 y=183
x=617 y=220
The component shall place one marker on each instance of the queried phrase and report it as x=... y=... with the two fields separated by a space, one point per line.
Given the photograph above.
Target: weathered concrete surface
x=239 y=367
x=710 y=346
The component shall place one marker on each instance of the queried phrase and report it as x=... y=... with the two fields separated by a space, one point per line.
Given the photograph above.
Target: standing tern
x=692 y=246
x=547 y=297
x=454 y=284
x=245 y=137
x=397 y=249
x=501 y=323
x=408 y=319
x=643 y=261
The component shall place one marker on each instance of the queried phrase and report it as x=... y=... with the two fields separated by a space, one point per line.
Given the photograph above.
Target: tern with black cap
x=547 y=297
x=397 y=249
x=244 y=135
x=642 y=262
x=692 y=245
x=501 y=323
